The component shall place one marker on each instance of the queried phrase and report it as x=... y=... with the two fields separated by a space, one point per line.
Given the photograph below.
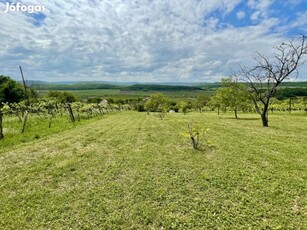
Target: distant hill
x=141 y=87
x=286 y=89
x=298 y=84
x=73 y=86
x=35 y=82
x=101 y=85
x=283 y=93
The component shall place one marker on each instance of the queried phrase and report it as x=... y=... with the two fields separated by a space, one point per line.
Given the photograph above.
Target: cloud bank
x=144 y=40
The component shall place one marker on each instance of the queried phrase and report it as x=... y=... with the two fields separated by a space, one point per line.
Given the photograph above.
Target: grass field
x=36 y=128
x=129 y=170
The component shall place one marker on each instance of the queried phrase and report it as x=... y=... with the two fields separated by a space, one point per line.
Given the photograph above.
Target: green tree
x=62 y=97
x=201 y=102
x=10 y=91
x=216 y=101
x=185 y=107
x=157 y=103
x=235 y=95
x=231 y=95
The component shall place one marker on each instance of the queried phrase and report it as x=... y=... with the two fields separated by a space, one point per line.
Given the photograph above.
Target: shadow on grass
x=243 y=119
x=206 y=148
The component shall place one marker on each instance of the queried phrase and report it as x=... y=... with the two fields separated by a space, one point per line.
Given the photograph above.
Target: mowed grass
x=134 y=171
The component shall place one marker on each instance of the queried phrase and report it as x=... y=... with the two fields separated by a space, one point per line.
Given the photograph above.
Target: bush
x=195 y=133
x=62 y=97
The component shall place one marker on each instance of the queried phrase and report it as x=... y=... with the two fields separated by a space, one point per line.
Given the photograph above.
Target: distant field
x=120 y=94
x=176 y=93
x=131 y=170
x=86 y=93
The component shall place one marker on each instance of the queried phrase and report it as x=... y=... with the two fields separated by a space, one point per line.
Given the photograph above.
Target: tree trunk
x=161 y=115
x=24 y=122
x=71 y=114
x=236 y=113
x=49 y=121
x=264 y=116
x=1 y=127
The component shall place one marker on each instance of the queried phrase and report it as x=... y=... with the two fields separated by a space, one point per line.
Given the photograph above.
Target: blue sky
x=144 y=40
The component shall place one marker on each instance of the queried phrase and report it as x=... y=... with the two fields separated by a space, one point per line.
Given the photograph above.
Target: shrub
x=195 y=134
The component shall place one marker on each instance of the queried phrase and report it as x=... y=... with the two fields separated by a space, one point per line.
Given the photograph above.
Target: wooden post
x=24 y=84
x=24 y=122
x=71 y=114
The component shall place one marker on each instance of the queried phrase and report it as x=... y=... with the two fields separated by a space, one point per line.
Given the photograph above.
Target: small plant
x=194 y=133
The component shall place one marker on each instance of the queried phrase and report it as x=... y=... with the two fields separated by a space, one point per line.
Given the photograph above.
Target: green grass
x=133 y=171
x=36 y=127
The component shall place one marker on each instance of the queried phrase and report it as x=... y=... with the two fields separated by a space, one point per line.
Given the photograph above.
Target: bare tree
x=264 y=78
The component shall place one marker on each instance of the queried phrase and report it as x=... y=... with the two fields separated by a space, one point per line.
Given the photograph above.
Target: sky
x=144 y=40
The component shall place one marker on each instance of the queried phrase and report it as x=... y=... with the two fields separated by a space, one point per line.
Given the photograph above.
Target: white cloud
x=240 y=15
x=132 y=40
x=256 y=16
x=261 y=8
x=260 y=4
